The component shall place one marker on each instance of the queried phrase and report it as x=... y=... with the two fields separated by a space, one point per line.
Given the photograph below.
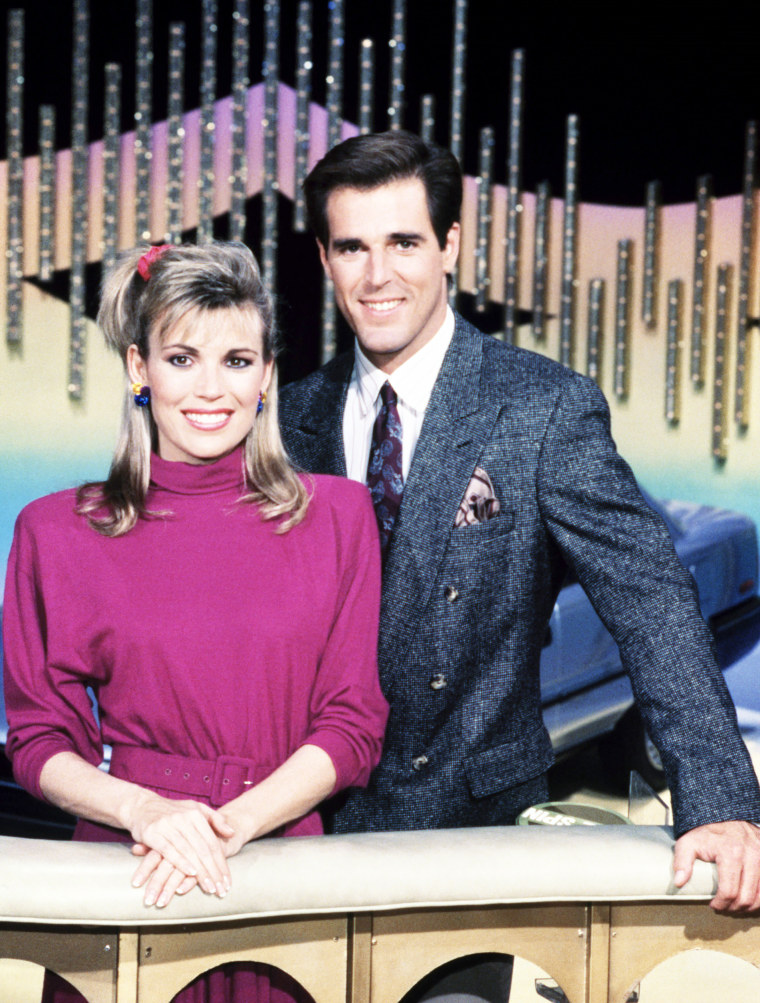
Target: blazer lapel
x=321 y=424
x=456 y=426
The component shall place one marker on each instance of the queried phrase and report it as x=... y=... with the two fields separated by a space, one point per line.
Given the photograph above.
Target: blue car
x=586 y=694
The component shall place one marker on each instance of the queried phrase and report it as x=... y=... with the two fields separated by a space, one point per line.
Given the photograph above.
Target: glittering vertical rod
x=514 y=205
x=176 y=100
x=15 y=153
x=720 y=373
x=111 y=164
x=622 y=315
x=594 y=338
x=209 y=13
x=540 y=259
x=303 y=102
x=569 y=246
x=427 y=118
x=79 y=196
x=335 y=72
x=746 y=270
x=241 y=21
x=699 y=295
x=47 y=192
x=366 y=86
x=459 y=54
x=334 y=127
x=651 y=257
x=673 y=353
x=397 y=45
x=483 y=241
x=269 y=200
x=143 y=115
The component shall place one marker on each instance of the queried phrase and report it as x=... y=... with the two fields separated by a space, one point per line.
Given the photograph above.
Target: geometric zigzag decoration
x=663 y=296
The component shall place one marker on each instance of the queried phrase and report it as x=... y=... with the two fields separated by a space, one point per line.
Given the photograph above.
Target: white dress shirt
x=413 y=382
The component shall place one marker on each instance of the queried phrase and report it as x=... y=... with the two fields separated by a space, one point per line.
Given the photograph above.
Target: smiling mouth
x=381 y=306
x=209 y=421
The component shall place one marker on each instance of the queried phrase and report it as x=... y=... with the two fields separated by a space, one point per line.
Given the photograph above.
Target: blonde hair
x=182 y=279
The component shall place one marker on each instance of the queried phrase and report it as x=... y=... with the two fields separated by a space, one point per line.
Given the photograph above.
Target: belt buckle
x=231 y=777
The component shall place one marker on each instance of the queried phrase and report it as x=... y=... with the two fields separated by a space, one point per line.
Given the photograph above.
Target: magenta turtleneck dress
x=203 y=633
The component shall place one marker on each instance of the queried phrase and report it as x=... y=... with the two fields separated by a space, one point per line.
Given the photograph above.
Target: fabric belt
x=215 y=780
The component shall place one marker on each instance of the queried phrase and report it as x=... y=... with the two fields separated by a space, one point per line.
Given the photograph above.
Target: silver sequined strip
x=673 y=357
x=397 y=45
x=329 y=335
x=651 y=240
x=334 y=125
x=335 y=73
x=622 y=314
x=701 y=262
x=111 y=165
x=47 y=193
x=746 y=271
x=427 y=118
x=208 y=125
x=241 y=22
x=143 y=115
x=540 y=260
x=459 y=53
x=269 y=199
x=514 y=205
x=484 y=182
x=366 y=86
x=304 y=66
x=79 y=193
x=594 y=333
x=15 y=147
x=176 y=101
x=569 y=246
x=720 y=396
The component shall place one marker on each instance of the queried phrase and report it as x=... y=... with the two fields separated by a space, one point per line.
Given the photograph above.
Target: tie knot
x=388 y=394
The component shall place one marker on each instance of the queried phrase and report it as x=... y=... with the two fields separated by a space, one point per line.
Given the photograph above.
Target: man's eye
x=405 y=245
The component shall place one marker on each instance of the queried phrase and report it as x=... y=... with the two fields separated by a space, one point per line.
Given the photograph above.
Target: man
x=502 y=475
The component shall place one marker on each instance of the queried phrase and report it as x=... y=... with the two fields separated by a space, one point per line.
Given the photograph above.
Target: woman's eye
x=179 y=360
x=237 y=363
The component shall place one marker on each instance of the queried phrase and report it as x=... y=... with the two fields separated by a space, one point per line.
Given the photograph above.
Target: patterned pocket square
x=479 y=503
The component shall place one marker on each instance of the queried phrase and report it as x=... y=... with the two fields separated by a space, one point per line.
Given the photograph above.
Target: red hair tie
x=151 y=255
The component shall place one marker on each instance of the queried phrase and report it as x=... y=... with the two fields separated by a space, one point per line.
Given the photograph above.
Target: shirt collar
x=414 y=379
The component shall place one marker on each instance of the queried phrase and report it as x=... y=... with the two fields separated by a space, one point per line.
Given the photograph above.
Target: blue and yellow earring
x=262 y=401
x=141 y=394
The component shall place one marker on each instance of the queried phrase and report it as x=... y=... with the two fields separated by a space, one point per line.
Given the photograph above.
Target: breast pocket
x=480 y=576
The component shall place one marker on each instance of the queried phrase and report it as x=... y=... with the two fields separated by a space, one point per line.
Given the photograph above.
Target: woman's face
x=205 y=375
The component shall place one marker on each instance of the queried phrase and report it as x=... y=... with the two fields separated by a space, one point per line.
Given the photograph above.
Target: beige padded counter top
x=89 y=884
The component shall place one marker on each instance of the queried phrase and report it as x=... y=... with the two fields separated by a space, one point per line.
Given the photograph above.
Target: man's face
x=388 y=270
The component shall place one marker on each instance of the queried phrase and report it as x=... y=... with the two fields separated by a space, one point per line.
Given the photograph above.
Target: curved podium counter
x=365 y=917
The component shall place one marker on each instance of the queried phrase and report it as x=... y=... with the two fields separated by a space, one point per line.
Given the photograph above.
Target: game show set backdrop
x=610 y=217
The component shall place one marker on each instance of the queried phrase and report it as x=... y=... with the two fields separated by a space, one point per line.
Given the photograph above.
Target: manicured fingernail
x=150 y=899
x=221 y=891
x=209 y=886
x=227 y=883
x=163 y=900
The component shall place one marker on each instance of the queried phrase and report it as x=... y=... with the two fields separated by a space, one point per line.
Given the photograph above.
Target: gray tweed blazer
x=465 y=610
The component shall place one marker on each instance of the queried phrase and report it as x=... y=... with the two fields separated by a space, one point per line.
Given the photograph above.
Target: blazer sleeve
x=626 y=562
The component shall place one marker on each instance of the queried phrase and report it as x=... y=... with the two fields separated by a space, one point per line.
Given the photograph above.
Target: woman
x=222 y=607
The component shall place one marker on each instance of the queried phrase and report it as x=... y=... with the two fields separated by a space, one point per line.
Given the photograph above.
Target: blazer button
x=451 y=593
x=420 y=762
x=438 y=681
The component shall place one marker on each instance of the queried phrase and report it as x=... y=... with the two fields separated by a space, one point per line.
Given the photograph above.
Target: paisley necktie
x=384 y=472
